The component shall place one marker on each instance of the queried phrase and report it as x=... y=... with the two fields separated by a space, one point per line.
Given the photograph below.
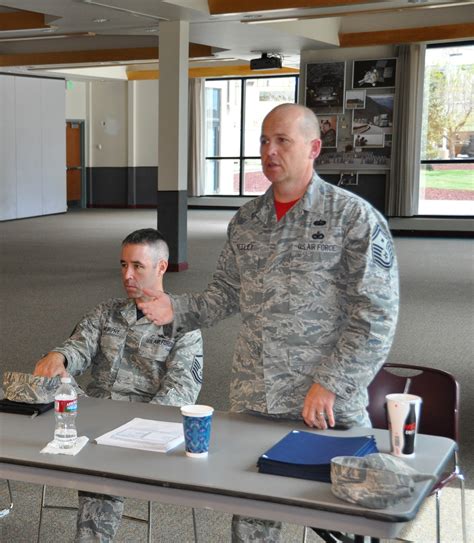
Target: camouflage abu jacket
x=318 y=296
x=134 y=360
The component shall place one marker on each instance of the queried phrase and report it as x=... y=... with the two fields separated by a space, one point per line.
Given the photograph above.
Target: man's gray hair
x=151 y=237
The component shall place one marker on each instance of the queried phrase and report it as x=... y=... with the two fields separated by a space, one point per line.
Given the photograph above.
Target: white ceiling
x=135 y=24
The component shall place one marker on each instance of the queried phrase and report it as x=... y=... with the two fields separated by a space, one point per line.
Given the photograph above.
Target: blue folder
x=308 y=456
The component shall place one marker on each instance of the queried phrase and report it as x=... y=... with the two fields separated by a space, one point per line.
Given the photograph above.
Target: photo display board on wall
x=356 y=122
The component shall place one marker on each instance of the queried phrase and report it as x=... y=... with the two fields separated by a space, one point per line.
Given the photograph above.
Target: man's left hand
x=318 y=407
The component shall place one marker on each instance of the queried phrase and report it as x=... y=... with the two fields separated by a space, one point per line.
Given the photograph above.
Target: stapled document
x=145 y=434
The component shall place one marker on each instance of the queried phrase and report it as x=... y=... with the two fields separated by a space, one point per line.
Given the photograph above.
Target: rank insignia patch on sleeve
x=382 y=249
x=196 y=369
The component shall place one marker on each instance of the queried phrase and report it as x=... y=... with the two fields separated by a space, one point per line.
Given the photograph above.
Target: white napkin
x=52 y=449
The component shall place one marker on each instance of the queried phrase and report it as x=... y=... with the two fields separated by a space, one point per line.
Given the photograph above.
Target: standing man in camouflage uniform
x=131 y=359
x=311 y=269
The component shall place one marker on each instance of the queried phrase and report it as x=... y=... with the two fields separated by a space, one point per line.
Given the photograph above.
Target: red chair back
x=438 y=389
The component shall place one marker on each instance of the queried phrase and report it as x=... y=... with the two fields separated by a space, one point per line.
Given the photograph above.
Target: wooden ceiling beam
x=198 y=50
x=223 y=7
x=21 y=20
x=407 y=35
x=375 y=10
x=101 y=55
x=212 y=71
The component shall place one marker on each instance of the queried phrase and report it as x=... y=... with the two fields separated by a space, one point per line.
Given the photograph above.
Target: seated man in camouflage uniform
x=131 y=359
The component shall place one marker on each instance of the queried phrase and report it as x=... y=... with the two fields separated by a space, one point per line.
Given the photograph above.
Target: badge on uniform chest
x=321 y=243
x=318 y=247
x=245 y=246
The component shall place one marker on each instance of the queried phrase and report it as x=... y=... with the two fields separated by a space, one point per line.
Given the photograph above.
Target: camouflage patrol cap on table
x=28 y=388
x=375 y=481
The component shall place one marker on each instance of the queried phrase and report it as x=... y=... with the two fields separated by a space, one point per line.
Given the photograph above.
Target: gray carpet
x=56 y=268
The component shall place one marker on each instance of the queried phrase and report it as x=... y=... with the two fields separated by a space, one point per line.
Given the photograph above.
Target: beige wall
x=108 y=124
x=121 y=121
x=76 y=100
x=146 y=123
x=359 y=53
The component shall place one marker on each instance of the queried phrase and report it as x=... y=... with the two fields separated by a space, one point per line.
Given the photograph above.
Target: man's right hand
x=51 y=365
x=158 y=308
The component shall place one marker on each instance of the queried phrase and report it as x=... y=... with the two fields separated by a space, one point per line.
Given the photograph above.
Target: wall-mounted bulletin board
x=354 y=102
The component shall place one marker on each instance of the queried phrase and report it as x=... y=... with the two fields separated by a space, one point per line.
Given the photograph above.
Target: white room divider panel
x=32 y=147
x=7 y=149
x=53 y=138
x=28 y=147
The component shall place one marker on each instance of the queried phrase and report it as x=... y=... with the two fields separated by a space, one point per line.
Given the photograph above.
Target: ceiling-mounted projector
x=266 y=62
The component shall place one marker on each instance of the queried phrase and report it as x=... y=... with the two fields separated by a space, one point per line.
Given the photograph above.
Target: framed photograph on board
x=324 y=86
x=328 y=127
x=372 y=74
x=355 y=99
x=376 y=117
x=348 y=178
x=369 y=140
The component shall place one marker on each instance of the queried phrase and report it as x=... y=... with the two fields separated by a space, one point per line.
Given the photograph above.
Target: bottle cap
x=66 y=379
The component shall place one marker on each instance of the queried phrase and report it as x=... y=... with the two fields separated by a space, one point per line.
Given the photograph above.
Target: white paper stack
x=146 y=435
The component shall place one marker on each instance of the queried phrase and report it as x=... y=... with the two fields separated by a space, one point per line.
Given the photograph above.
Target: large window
x=447 y=143
x=235 y=109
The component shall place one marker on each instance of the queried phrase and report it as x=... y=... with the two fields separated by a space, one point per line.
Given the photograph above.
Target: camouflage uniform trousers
x=245 y=529
x=98 y=517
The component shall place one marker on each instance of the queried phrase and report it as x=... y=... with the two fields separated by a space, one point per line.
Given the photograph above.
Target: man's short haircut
x=151 y=237
x=309 y=121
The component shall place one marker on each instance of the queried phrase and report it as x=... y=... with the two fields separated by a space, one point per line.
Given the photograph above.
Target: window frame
x=425 y=162
x=241 y=158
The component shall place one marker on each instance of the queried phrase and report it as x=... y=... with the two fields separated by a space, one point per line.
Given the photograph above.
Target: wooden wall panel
x=407 y=35
x=74 y=184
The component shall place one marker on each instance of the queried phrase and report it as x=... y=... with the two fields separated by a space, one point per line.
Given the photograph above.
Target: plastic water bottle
x=65 y=409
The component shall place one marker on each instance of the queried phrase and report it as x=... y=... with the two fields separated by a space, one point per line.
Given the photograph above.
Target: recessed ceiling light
x=265 y=21
x=49 y=37
x=42 y=30
x=99 y=21
x=123 y=10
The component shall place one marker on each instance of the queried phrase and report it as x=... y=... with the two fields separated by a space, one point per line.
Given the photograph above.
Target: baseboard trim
x=181 y=266
x=118 y=206
x=432 y=233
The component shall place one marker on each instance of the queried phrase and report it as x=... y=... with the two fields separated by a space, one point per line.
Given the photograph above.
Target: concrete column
x=173 y=140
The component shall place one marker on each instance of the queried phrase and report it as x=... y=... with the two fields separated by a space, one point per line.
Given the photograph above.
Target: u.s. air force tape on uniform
x=28 y=388
x=374 y=481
